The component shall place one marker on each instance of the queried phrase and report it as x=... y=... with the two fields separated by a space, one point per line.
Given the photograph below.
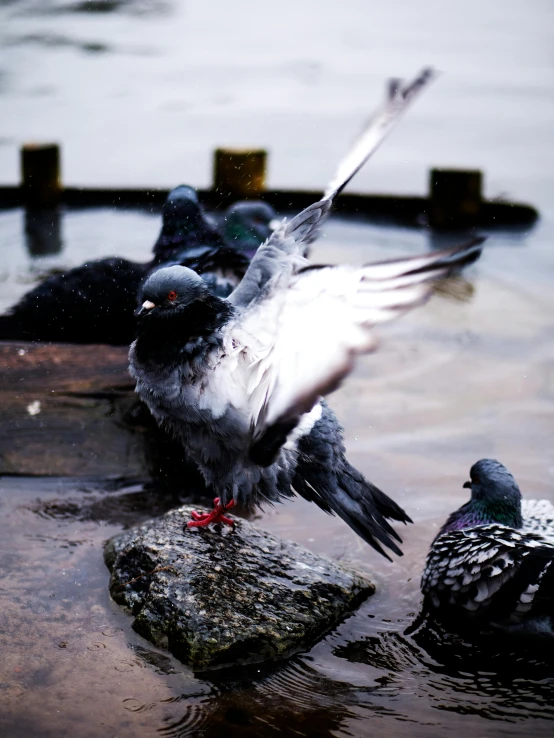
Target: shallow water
x=469 y=375
x=139 y=93
x=142 y=93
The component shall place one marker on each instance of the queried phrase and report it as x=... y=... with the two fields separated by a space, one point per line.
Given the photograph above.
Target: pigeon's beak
x=466 y=485
x=146 y=306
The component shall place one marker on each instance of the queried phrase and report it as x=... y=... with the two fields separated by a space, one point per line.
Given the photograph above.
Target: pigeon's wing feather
x=304 y=339
x=538 y=517
x=282 y=255
x=492 y=570
x=399 y=98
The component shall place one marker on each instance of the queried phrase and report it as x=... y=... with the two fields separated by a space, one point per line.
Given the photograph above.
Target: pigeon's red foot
x=199 y=520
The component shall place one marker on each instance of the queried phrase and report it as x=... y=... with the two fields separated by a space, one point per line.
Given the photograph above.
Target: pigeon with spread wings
x=239 y=381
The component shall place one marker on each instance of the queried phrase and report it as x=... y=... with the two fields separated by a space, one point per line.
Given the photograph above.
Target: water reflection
x=43 y=232
x=95 y=7
x=283 y=698
x=124 y=502
x=456 y=288
x=116 y=502
x=486 y=675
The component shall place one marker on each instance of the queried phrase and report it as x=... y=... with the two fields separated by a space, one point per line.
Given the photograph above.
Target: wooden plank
x=71 y=411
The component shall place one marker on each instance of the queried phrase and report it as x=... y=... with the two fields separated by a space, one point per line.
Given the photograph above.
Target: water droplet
x=33 y=408
x=111 y=632
x=133 y=705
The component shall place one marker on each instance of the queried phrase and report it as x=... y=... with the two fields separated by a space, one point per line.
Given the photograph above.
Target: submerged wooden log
x=216 y=598
x=71 y=411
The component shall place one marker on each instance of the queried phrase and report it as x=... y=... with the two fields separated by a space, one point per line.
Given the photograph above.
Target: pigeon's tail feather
x=324 y=476
x=366 y=510
x=361 y=505
x=304 y=228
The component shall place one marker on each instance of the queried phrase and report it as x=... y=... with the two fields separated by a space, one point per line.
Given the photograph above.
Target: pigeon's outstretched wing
x=399 y=98
x=300 y=343
x=283 y=253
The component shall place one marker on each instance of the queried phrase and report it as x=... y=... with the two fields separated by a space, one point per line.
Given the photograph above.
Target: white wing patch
x=300 y=343
x=538 y=517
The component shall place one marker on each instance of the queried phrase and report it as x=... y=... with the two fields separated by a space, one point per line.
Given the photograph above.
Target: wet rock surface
x=216 y=597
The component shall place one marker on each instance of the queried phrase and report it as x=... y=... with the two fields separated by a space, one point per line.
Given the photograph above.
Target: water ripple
x=188 y=724
x=489 y=676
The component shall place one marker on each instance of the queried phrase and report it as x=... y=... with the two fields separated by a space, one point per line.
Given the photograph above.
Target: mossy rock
x=216 y=597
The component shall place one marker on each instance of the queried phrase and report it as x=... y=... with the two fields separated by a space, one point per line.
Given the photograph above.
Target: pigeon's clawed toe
x=201 y=520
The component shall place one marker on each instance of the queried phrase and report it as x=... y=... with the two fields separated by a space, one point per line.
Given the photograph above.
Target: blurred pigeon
x=94 y=303
x=239 y=381
x=247 y=224
x=186 y=230
x=493 y=560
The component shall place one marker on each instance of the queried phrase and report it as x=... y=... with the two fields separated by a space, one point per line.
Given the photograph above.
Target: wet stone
x=216 y=597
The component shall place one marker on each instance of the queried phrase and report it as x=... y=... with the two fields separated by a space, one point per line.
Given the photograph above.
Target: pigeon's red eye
x=171 y=295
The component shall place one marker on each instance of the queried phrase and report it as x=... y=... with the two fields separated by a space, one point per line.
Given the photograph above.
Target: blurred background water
x=139 y=93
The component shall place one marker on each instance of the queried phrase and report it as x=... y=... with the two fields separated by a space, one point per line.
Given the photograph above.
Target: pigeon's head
x=248 y=223
x=492 y=482
x=181 y=208
x=186 y=231
x=495 y=498
x=170 y=291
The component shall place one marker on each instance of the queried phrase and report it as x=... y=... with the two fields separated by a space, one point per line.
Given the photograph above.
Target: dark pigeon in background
x=239 y=381
x=248 y=223
x=244 y=226
x=94 y=303
x=186 y=229
x=493 y=560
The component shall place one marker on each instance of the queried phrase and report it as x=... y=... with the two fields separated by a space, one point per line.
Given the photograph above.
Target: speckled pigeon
x=493 y=560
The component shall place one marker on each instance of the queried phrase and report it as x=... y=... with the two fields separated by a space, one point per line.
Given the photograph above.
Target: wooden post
x=40 y=175
x=240 y=173
x=455 y=198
